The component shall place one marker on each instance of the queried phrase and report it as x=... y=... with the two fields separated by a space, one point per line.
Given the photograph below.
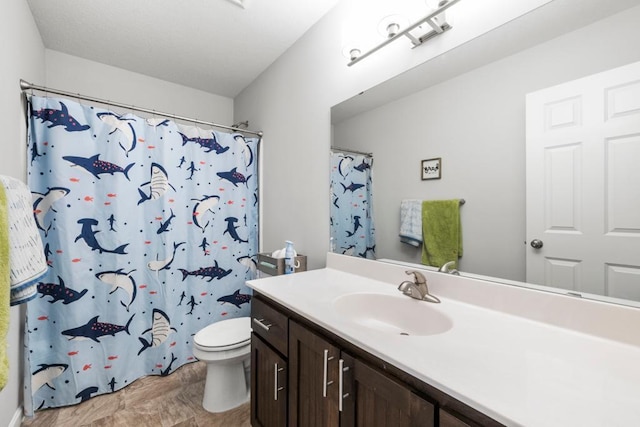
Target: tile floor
x=154 y=401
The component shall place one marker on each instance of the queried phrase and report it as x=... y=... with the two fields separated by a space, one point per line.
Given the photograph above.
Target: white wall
x=21 y=56
x=291 y=103
x=77 y=75
x=475 y=122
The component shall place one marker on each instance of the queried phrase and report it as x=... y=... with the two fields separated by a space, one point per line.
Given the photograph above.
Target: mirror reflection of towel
x=411 y=222
x=441 y=232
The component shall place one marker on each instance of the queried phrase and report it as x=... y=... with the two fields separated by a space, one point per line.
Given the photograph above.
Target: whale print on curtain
x=150 y=231
x=352 y=228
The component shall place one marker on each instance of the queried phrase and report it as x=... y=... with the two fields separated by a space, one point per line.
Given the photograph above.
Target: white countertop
x=519 y=371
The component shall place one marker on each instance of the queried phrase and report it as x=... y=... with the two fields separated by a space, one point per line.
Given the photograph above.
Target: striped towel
x=4 y=288
x=411 y=222
x=26 y=254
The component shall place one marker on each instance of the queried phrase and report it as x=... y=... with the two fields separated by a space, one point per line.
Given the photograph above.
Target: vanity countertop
x=518 y=370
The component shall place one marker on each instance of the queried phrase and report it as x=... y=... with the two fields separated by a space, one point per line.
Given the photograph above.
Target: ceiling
x=218 y=46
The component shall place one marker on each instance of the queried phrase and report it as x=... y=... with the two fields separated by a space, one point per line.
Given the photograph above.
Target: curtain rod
x=346 y=150
x=24 y=86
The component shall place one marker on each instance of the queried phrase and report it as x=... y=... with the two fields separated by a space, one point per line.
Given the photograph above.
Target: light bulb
x=351 y=51
x=391 y=25
x=392 y=29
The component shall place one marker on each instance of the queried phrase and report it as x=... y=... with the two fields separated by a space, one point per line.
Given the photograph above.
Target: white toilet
x=226 y=348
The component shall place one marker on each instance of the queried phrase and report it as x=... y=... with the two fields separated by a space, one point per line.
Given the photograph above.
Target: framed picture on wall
x=431 y=168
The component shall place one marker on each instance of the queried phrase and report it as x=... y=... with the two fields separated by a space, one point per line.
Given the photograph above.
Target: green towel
x=4 y=287
x=441 y=232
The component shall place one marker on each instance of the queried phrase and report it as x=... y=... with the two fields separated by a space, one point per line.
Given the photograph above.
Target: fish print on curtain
x=352 y=227
x=150 y=231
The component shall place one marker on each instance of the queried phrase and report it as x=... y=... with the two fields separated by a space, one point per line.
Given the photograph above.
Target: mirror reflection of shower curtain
x=352 y=226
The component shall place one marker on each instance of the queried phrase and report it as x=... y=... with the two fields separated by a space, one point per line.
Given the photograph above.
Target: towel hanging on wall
x=22 y=260
x=4 y=288
x=26 y=259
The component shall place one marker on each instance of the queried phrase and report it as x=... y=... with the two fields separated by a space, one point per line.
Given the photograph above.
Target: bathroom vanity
x=303 y=374
x=342 y=346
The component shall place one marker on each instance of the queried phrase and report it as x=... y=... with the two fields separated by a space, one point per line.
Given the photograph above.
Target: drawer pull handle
x=341 y=370
x=325 y=372
x=276 y=389
x=260 y=322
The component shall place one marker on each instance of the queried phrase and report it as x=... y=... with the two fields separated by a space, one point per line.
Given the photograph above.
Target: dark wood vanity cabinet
x=303 y=375
x=376 y=400
x=268 y=385
x=313 y=379
x=329 y=387
x=450 y=420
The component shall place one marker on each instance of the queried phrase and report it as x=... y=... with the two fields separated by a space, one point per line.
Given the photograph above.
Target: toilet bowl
x=225 y=347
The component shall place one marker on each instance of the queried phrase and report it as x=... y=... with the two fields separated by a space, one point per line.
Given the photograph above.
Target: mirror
x=467 y=107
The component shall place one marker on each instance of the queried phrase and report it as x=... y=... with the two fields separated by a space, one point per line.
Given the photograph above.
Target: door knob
x=536 y=243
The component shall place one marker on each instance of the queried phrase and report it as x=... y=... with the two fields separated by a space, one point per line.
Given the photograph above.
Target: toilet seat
x=224 y=335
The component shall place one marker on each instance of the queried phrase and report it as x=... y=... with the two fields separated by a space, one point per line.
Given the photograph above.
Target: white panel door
x=583 y=184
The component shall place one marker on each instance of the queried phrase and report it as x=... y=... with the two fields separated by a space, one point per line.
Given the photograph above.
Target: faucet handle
x=418 y=278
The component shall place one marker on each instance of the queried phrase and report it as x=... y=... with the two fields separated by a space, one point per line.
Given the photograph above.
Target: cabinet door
x=313 y=379
x=450 y=420
x=374 y=399
x=268 y=386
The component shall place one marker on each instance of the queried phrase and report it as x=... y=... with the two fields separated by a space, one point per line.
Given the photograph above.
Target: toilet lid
x=225 y=333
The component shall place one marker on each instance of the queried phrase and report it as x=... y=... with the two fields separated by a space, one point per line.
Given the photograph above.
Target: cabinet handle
x=276 y=389
x=325 y=373
x=260 y=322
x=341 y=370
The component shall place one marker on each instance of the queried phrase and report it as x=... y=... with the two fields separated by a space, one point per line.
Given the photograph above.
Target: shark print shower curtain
x=150 y=230
x=352 y=227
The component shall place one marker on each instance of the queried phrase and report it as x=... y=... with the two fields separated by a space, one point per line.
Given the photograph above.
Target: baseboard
x=16 y=421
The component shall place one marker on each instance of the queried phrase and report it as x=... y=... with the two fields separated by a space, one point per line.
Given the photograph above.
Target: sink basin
x=396 y=315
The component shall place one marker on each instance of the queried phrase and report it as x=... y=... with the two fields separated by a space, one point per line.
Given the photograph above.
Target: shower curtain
x=150 y=230
x=352 y=228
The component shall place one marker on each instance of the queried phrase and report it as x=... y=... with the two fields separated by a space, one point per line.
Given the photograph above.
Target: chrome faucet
x=418 y=288
x=446 y=268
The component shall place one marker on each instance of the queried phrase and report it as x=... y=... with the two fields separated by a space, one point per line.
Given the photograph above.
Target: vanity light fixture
x=420 y=31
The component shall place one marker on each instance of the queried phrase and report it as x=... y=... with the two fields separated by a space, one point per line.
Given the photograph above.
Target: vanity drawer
x=270 y=324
